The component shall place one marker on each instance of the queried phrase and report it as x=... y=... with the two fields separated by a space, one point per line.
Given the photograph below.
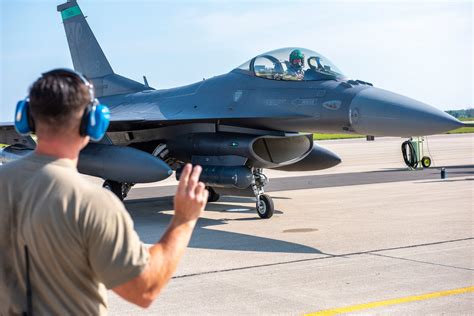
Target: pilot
x=66 y=239
x=296 y=64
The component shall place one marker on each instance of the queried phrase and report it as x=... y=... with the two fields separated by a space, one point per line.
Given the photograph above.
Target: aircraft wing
x=9 y=136
x=136 y=117
x=136 y=113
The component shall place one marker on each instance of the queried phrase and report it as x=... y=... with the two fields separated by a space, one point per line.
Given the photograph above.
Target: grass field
x=317 y=136
x=463 y=130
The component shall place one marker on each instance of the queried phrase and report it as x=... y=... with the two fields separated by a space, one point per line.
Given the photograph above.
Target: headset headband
x=76 y=74
x=94 y=122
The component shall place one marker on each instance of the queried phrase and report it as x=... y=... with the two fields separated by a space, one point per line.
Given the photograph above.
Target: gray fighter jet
x=258 y=116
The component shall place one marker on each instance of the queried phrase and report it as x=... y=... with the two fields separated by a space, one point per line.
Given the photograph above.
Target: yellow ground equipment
x=413 y=153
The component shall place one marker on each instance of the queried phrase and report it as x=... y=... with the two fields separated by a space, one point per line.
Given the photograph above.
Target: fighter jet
x=260 y=115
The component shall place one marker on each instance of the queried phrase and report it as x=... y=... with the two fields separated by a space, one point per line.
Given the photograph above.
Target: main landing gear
x=120 y=189
x=265 y=207
x=213 y=195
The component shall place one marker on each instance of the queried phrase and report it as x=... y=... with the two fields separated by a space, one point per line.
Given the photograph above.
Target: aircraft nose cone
x=379 y=112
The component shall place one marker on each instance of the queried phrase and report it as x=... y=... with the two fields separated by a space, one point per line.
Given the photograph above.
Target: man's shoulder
x=101 y=208
x=11 y=166
x=88 y=191
x=68 y=182
x=97 y=197
x=100 y=195
x=12 y=170
x=94 y=202
x=33 y=163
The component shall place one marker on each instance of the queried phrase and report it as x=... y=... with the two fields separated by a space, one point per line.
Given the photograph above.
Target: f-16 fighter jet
x=258 y=116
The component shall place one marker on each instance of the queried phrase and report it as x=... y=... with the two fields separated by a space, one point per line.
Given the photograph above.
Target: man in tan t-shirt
x=80 y=239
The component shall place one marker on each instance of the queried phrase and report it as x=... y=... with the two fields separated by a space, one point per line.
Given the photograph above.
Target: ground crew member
x=65 y=241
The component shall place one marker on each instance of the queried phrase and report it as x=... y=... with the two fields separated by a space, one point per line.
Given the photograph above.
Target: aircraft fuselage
x=327 y=106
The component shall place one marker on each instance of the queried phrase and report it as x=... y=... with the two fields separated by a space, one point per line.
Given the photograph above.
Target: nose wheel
x=264 y=205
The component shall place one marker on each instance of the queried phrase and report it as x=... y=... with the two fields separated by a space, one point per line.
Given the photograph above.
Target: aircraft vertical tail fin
x=88 y=57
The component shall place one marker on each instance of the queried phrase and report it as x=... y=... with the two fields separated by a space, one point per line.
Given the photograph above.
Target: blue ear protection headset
x=94 y=122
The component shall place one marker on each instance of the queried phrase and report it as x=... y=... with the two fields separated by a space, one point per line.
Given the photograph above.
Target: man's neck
x=59 y=148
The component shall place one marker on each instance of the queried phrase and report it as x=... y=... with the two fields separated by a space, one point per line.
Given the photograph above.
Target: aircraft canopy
x=276 y=65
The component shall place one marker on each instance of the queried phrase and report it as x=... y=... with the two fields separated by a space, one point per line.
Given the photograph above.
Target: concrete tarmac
x=367 y=236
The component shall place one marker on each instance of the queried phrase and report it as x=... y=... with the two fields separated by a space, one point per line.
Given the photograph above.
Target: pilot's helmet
x=297 y=58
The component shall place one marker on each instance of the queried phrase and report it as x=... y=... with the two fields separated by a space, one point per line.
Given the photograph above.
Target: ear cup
x=96 y=121
x=24 y=124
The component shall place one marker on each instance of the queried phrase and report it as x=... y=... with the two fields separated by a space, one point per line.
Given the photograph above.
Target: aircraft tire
x=213 y=195
x=115 y=187
x=426 y=162
x=265 y=207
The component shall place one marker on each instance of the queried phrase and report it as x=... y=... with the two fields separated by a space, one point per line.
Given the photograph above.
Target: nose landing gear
x=264 y=205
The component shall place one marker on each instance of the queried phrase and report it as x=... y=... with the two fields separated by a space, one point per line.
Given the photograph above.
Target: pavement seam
x=327 y=256
x=419 y=261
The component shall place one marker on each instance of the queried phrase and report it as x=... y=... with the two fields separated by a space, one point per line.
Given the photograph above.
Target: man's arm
x=189 y=202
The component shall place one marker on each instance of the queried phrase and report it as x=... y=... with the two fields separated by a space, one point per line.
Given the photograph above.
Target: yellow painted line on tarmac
x=360 y=307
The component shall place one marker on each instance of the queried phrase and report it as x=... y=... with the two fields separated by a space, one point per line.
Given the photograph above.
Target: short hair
x=57 y=99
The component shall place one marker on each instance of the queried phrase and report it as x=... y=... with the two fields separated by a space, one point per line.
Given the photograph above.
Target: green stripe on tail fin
x=71 y=12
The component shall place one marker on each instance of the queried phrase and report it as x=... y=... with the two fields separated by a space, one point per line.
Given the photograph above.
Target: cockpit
x=293 y=64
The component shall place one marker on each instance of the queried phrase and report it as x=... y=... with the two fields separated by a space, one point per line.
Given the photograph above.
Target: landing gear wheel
x=117 y=188
x=213 y=195
x=265 y=206
x=426 y=162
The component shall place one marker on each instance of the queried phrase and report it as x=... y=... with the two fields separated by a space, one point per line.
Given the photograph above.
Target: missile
x=237 y=177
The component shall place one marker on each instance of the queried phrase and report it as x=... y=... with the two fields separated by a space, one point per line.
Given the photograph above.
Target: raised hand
x=191 y=195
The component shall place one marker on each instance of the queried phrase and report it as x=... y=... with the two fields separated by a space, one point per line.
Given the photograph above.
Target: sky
x=421 y=49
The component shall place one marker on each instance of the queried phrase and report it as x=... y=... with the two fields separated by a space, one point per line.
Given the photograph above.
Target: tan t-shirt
x=79 y=236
